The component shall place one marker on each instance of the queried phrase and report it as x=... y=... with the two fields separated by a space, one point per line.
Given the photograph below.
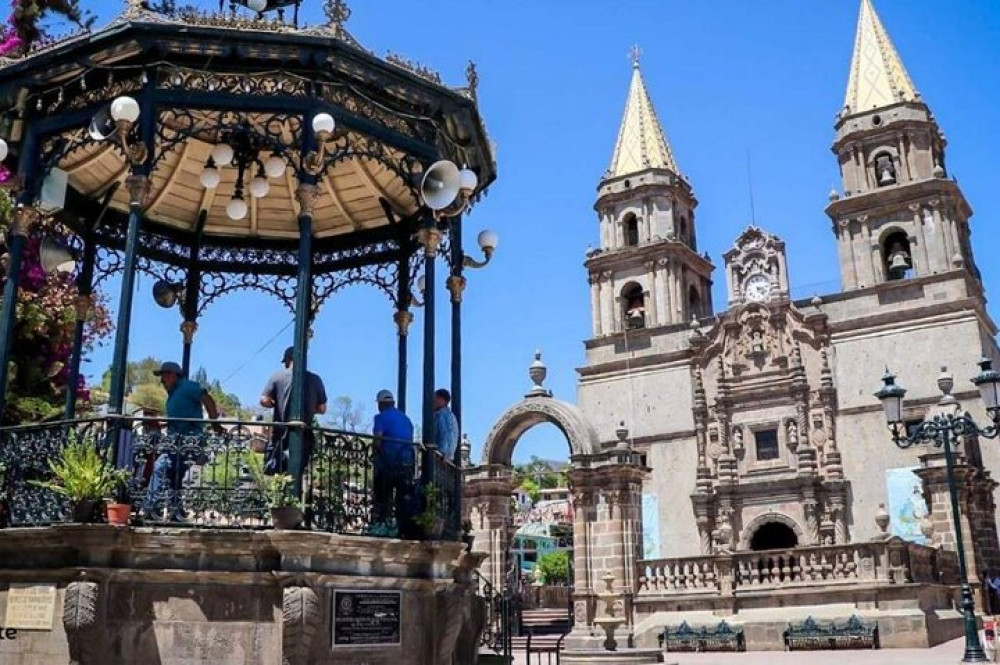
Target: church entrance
x=773 y=536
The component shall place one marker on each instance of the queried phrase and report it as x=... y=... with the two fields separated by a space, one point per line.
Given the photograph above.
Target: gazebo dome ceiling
x=201 y=76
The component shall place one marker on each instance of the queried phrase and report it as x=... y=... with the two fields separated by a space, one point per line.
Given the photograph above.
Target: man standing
x=185 y=400
x=394 y=466
x=277 y=395
x=445 y=425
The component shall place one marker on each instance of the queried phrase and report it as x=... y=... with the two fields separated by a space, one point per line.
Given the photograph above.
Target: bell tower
x=647 y=272
x=900 y=215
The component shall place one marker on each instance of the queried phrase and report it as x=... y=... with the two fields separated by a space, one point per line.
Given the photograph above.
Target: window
x=766 y=441
x=912 y=425
x=694 y=302
x=631 y=225
x=897 y=256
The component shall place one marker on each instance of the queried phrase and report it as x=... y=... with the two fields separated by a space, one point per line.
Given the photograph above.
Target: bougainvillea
x=23 y=27
x=42 y=342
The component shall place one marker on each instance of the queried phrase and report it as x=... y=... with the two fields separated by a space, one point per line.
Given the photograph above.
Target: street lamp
x=944 y=430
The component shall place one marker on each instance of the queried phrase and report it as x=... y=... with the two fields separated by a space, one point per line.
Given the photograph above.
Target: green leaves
x=554 y=567
x=81 y=473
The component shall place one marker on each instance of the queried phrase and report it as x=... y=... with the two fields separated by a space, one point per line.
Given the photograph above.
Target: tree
x=532 y=488
x=554 y=567
x=45 y=323
x=347 y=416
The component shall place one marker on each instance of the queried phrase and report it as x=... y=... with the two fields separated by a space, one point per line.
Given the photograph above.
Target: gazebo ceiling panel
x=348 y=199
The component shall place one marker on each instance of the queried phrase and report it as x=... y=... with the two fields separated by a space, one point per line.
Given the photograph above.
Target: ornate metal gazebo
x=240 y=150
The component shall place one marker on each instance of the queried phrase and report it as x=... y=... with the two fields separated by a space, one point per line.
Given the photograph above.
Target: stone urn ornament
x=538 y=371
x=882 y=519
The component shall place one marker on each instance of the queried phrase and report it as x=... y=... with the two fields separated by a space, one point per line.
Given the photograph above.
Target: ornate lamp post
x=944 y=431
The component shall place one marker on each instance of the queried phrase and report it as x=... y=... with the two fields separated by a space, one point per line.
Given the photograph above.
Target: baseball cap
x=288 y=355
x=384 y=396
x=169 y=367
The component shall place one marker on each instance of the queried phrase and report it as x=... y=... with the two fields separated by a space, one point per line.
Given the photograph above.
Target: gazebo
x=240 y=150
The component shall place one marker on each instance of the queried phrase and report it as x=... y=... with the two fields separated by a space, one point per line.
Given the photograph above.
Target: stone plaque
x=367 y=618
x=31 y=606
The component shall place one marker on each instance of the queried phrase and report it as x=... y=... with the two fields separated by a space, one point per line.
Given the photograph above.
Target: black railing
x=222 y=474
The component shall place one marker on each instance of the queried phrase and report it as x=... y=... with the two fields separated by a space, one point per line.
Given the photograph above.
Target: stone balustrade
x=891 y=561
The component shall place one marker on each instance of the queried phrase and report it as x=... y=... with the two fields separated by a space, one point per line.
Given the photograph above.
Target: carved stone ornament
x=80 y=615
x=568 y=417
x=300 y=615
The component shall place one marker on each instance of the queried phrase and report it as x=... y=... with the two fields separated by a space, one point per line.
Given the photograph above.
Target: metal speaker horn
x=102 y=126
x=166 y=294
x=56 y=257
x=440 y=184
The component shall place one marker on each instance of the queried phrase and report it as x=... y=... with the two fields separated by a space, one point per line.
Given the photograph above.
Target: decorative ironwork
x=414 y=67
x=722 y=637
x=852 y=634
x=498 y=629
x=198 y=473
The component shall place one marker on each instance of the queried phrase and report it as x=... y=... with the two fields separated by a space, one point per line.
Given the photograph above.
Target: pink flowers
x=12 y=41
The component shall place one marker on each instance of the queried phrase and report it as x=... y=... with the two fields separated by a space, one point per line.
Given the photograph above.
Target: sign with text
x=367 y=618
x=31 y=606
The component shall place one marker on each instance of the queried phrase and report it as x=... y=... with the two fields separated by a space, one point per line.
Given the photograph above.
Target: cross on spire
x=337 y=12
x=634 y=54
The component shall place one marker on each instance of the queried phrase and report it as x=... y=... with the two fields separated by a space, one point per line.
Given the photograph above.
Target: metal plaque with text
x=367 y=618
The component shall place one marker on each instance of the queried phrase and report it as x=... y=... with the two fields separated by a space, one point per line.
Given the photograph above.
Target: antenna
x=753 y=212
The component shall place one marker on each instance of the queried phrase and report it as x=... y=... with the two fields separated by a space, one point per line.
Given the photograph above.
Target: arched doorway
x=773 y=536
x=605 y=483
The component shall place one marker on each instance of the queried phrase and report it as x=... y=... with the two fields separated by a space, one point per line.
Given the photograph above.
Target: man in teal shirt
x=185 y=400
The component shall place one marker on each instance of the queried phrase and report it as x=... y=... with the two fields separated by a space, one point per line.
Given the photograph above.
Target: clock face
x=757 y=288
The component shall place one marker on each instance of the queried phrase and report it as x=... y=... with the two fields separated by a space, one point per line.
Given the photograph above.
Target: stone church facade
x=732 y=462
x=758 y=421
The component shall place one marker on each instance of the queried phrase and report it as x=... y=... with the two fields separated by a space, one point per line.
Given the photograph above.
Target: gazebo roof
x=212 y=73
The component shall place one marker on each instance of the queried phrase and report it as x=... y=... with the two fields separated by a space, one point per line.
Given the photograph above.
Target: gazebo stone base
x=228 y=597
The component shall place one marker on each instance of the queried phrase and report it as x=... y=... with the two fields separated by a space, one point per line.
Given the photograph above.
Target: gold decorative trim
x=403 y=319
x=456 y=285
x=188 y=329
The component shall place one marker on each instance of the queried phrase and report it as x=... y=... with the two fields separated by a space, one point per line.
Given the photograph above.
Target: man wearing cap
x=185 y=400
x=445 y=424
x=277 y=395
x=394 y=465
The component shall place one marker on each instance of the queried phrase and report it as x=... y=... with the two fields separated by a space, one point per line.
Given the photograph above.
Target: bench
x=722 y=637
x=854 y=633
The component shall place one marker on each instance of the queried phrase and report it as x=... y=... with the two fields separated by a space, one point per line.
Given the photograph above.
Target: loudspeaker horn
x=440 y=184
x=102 y=126
x=166 y=294
x=56 y=257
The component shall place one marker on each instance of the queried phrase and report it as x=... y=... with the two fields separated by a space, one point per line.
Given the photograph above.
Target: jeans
x=165 y=477
x=276 y=452
x=394 y=495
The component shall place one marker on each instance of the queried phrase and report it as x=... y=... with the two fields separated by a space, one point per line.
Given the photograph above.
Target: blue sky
x=728 y=78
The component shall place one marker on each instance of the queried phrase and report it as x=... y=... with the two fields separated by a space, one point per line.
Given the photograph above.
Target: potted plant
x=431 y=521
x=82 y=476
x=119 y=506
x=286 y=510
x=467 y=536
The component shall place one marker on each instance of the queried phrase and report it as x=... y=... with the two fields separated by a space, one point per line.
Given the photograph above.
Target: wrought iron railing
x=199 y=473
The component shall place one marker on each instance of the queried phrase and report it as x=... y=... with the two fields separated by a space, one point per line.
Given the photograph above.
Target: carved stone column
x=80 y=618
x=300 y=615
x=651 y=310
x=595 y=304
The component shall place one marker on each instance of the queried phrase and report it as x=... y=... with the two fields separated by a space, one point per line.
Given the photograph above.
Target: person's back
x=395 y=431
x=184 y=400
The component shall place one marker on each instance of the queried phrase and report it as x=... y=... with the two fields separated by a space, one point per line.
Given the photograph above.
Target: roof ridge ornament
x=337 y=13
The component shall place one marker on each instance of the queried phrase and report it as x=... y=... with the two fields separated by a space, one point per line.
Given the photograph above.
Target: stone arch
x=499 y=446
x=767 y=518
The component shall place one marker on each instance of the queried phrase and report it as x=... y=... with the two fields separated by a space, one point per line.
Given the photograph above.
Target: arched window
x=897 y=256
x=683 y=229
x=694 y=302
x=773 y=536
x=631 y=230
x=634 y=306
x=885 y=170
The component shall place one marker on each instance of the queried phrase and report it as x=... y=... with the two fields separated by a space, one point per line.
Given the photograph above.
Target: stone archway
x=771 y=520
x=606 y=486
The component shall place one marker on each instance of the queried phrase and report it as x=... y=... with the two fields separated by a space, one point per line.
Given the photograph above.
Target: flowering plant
x=23 y=27
x=42 y=340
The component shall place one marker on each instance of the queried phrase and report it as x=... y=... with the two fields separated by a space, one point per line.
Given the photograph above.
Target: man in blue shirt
x=445 y=425
x=394 y=459
x=185 y=400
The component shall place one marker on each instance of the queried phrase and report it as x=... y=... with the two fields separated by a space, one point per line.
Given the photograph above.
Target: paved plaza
x=950 y=652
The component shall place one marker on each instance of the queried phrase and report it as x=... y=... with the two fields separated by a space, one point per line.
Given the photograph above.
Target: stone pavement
x=948 y=653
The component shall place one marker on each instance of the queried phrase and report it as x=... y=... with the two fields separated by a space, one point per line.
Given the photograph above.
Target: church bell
x=887 y=178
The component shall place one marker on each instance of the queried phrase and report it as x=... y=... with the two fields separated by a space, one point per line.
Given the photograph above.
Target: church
x=774 y=490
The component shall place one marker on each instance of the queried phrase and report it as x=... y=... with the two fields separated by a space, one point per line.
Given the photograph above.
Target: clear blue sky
x=727 y=77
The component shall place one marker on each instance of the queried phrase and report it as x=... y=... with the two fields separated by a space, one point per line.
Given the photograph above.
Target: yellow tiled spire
x=878 y=77
x=642 y=144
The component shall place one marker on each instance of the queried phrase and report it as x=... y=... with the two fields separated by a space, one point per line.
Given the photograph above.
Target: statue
x=738 y=439
x=793 y=434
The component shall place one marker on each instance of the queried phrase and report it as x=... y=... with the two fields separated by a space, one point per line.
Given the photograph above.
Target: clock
x=757 y=288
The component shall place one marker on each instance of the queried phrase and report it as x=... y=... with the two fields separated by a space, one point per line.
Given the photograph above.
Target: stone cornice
x=888 y=199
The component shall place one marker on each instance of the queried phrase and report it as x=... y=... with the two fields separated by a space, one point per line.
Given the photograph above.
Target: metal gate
x=502 y=608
